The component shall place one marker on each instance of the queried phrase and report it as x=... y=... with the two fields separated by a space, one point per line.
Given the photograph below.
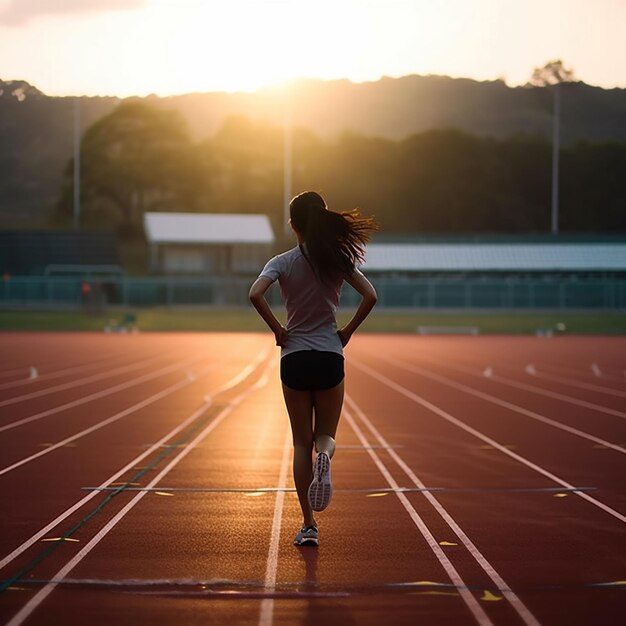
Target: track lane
x=535 y=540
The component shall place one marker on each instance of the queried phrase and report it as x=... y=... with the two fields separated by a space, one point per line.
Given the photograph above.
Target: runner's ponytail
x=335 y=241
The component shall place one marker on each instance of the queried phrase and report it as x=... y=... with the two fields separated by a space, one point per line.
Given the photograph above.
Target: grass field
x=242 y=319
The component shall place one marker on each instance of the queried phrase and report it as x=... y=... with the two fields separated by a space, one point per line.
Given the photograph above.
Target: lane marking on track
x=580 y=384
x=99 y=394
x=129 y=466
x=110 y=420
x=81 y=381
x=56 y=373
x=266 y=613
x=507 y=405
x=249 y=490
x=467 y=596
x=595 y=368
x=41 y=595
x=231 y=585
x=538 y=390
x=476 y=433
x=520 y=608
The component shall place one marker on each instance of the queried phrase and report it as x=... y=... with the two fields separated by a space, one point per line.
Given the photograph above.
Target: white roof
x=203 y=228
x=499 y=257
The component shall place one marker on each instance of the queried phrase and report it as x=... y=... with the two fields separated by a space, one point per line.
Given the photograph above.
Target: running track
x=146 y=479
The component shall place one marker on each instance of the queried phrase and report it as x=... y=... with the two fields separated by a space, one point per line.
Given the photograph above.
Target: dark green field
x=382 y=321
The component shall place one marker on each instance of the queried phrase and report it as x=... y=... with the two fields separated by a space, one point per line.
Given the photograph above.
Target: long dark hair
x=335 y=241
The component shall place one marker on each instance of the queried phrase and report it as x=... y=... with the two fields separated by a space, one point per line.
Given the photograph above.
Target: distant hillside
x=36 y=130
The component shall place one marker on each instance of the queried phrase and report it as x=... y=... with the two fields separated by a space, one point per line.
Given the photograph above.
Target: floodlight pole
x=77 y=164
x=555 y=158
x=287 y=162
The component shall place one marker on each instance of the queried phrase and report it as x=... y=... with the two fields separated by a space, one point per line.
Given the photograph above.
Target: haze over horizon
x=139 y=47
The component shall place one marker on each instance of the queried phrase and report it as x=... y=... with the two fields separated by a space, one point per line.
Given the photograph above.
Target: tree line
x=140 y=158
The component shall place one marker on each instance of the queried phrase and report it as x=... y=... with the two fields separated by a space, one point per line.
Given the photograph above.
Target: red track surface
x=456 y=479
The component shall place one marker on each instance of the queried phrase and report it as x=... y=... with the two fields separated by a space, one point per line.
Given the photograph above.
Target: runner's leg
x=300 y=408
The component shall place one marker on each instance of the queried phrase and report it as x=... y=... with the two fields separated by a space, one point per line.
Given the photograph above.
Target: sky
x=137 y=47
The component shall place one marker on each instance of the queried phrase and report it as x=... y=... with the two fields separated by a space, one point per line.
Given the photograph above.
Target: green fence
x=510 y=293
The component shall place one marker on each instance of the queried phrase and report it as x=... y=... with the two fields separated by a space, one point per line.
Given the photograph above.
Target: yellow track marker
x=255 y=494
x=62 y=539
x=377 y=495
x=434 y=593
x=448 y=543
x=490 y=597
x=163 y=493
x=560 y=495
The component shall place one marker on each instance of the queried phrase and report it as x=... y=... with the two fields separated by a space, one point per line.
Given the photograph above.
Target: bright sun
x=244 y=45
x=183 y=46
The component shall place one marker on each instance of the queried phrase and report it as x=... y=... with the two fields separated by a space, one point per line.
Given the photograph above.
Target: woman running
x=330 y=245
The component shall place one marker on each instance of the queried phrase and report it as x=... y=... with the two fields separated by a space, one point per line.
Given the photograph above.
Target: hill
x=36 y=131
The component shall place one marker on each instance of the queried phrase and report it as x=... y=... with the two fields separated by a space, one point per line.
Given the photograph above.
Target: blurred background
x=149 y=148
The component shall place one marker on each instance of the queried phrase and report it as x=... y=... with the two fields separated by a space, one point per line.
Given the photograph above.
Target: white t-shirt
x=311 y=305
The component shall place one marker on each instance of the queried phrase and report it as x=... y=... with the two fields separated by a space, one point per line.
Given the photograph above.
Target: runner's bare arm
x=257 y=298
x=369 y=299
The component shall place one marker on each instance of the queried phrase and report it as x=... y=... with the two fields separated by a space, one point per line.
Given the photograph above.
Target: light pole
x=77 y=164
x=287 y=161
x=554 y=74
x=556 y=123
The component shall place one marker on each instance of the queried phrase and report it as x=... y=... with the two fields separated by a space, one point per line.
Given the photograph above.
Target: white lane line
x=582 y=385
x=18 y=370
x=538 y=390
x=266 y=615
x=89 y=365
x=38 y=598
x=100 y=394
x=476 y=433
x=207 y=403
x=527 y=617
x=467 y=596
x=507 y=405
x=82 y=381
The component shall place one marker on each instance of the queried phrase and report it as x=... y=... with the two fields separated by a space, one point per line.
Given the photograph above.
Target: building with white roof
x=510 y=257
x=215 y=244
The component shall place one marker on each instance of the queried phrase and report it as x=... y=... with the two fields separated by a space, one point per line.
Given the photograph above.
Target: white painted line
x=99 y=394
x=81 y=381
x=467 y=596
x=133 y=463
x=40 y=596
x=89 y=365
x=527 y=617
x=476 y=433
x=266 y=615
x=582 y=385
x=507 y=405
x=541 y=391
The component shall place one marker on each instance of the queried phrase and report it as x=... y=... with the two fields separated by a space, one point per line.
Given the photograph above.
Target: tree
x=135 y=159
x=554 y=74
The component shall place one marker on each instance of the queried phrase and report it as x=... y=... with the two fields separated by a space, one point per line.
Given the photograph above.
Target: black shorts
x=311 y=370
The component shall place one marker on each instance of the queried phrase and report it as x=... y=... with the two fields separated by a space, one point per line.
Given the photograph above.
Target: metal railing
x=506 y=293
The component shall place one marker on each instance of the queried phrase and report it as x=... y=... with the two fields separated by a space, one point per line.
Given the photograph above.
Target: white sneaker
x=321 y=489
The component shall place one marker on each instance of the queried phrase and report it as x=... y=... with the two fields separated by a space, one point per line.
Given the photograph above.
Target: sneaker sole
x=307 y=543
x=321 y=489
